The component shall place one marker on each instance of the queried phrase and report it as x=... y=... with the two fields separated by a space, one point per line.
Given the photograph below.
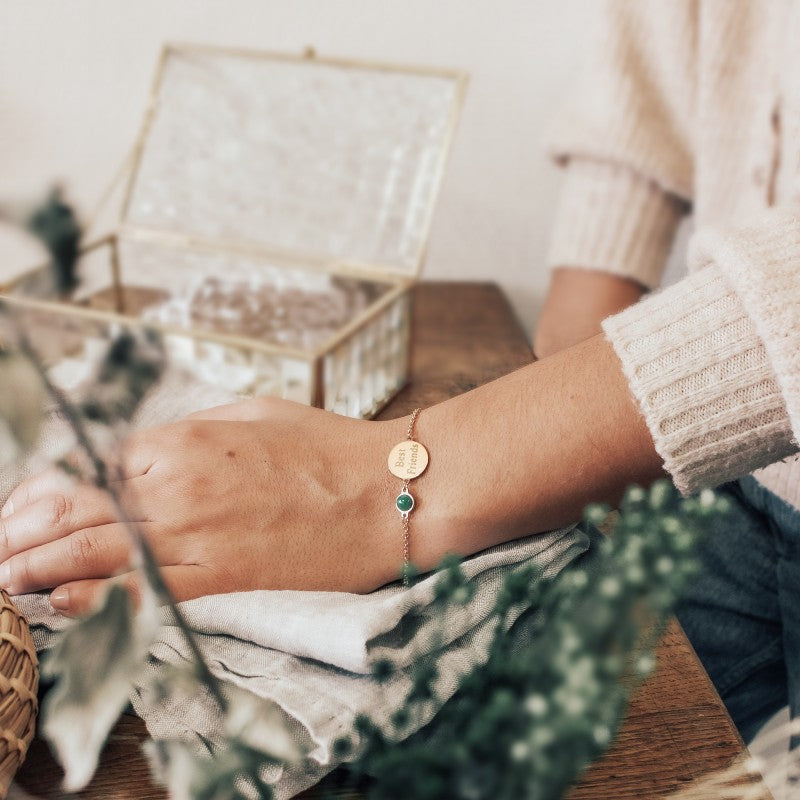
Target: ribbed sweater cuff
x=611 y=219
x=762 y=264
x=703 y=381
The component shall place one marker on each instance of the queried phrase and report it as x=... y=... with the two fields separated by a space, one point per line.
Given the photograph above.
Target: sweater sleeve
x=625 y=138
x=714 y=361
x=612 y=220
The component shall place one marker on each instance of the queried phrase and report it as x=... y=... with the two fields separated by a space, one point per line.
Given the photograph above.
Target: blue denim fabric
x=742 y=614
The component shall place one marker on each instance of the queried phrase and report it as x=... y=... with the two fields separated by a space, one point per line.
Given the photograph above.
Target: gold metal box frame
x=354 y=349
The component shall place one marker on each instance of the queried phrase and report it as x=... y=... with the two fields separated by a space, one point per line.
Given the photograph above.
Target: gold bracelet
x=407 y=461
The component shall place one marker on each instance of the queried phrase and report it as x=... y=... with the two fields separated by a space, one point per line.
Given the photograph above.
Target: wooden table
x=676 y=729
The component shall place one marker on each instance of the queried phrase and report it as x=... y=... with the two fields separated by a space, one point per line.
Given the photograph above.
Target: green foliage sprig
x=55 y=223
x=551 y=695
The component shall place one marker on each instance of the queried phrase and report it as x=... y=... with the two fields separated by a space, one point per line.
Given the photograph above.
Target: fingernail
x=8 y=510
x=59 y=599
x=5 y=575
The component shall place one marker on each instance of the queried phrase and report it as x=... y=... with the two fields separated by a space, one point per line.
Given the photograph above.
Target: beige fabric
x=695 y=104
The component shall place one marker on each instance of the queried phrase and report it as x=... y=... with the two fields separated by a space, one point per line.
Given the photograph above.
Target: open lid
x=324 y=160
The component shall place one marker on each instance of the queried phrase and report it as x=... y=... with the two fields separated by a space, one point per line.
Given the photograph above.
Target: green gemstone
x=404 y=503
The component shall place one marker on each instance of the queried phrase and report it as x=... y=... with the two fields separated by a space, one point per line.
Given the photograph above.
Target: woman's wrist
x=433 y=529
x=526 y=453
x=519 y=456
x=577 y=301
x=373 y=490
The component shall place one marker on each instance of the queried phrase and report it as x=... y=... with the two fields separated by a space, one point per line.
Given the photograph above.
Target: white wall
x=74 y=77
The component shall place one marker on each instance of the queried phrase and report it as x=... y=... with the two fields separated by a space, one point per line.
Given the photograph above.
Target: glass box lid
x=333 y=161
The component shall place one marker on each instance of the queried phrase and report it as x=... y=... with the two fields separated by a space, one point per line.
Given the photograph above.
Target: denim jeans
x=742 y=614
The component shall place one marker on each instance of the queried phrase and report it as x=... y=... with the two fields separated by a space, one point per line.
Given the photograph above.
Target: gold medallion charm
x=408 y=460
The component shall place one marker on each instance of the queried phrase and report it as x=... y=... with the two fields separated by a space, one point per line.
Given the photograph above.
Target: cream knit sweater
x=694 y=105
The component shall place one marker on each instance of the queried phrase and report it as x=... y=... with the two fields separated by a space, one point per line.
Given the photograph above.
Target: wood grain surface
x=676 y=729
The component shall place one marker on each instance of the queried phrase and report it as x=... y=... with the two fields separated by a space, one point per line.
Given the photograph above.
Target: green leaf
x=56 y=225
x=22 y=401
x=382 y=669
x=253 y=738
x=132 y=364
x=260 y=725
x=526 y=722
x=231 y=774
x=93 y=664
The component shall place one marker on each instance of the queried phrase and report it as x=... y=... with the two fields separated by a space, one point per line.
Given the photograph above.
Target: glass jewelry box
x=275 y=215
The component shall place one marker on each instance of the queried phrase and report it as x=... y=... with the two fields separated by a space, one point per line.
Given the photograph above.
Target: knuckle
x=84 y=549
x=192 y=432
x=133 y=452
x=61 y=508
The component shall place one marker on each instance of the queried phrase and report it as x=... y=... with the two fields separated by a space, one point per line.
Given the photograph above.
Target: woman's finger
x=54 y=516
x=185 y=582
x=88 y=553
x=49 y=481
x=76 y=598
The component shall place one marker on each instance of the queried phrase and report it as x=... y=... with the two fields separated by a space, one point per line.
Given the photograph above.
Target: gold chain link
x=405 y=514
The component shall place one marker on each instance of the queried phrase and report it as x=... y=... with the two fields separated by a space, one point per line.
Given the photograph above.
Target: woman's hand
x=262 y=494
x=269 y=494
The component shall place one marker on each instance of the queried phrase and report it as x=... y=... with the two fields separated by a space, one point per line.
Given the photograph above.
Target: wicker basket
x=19 y=679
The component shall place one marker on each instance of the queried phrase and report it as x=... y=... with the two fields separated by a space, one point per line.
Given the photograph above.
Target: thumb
x=185 y=582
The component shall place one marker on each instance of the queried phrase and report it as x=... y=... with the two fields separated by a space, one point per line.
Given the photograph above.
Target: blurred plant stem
x=101 y=479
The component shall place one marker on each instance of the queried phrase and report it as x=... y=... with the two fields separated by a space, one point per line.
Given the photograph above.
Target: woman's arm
x=268 y=494
x=625 y=136
x=577 y=301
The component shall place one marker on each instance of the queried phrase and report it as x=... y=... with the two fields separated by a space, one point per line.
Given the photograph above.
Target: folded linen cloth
x=310 y=653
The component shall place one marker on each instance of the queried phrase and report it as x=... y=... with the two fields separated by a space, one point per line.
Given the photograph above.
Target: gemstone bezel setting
x=404 y=503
